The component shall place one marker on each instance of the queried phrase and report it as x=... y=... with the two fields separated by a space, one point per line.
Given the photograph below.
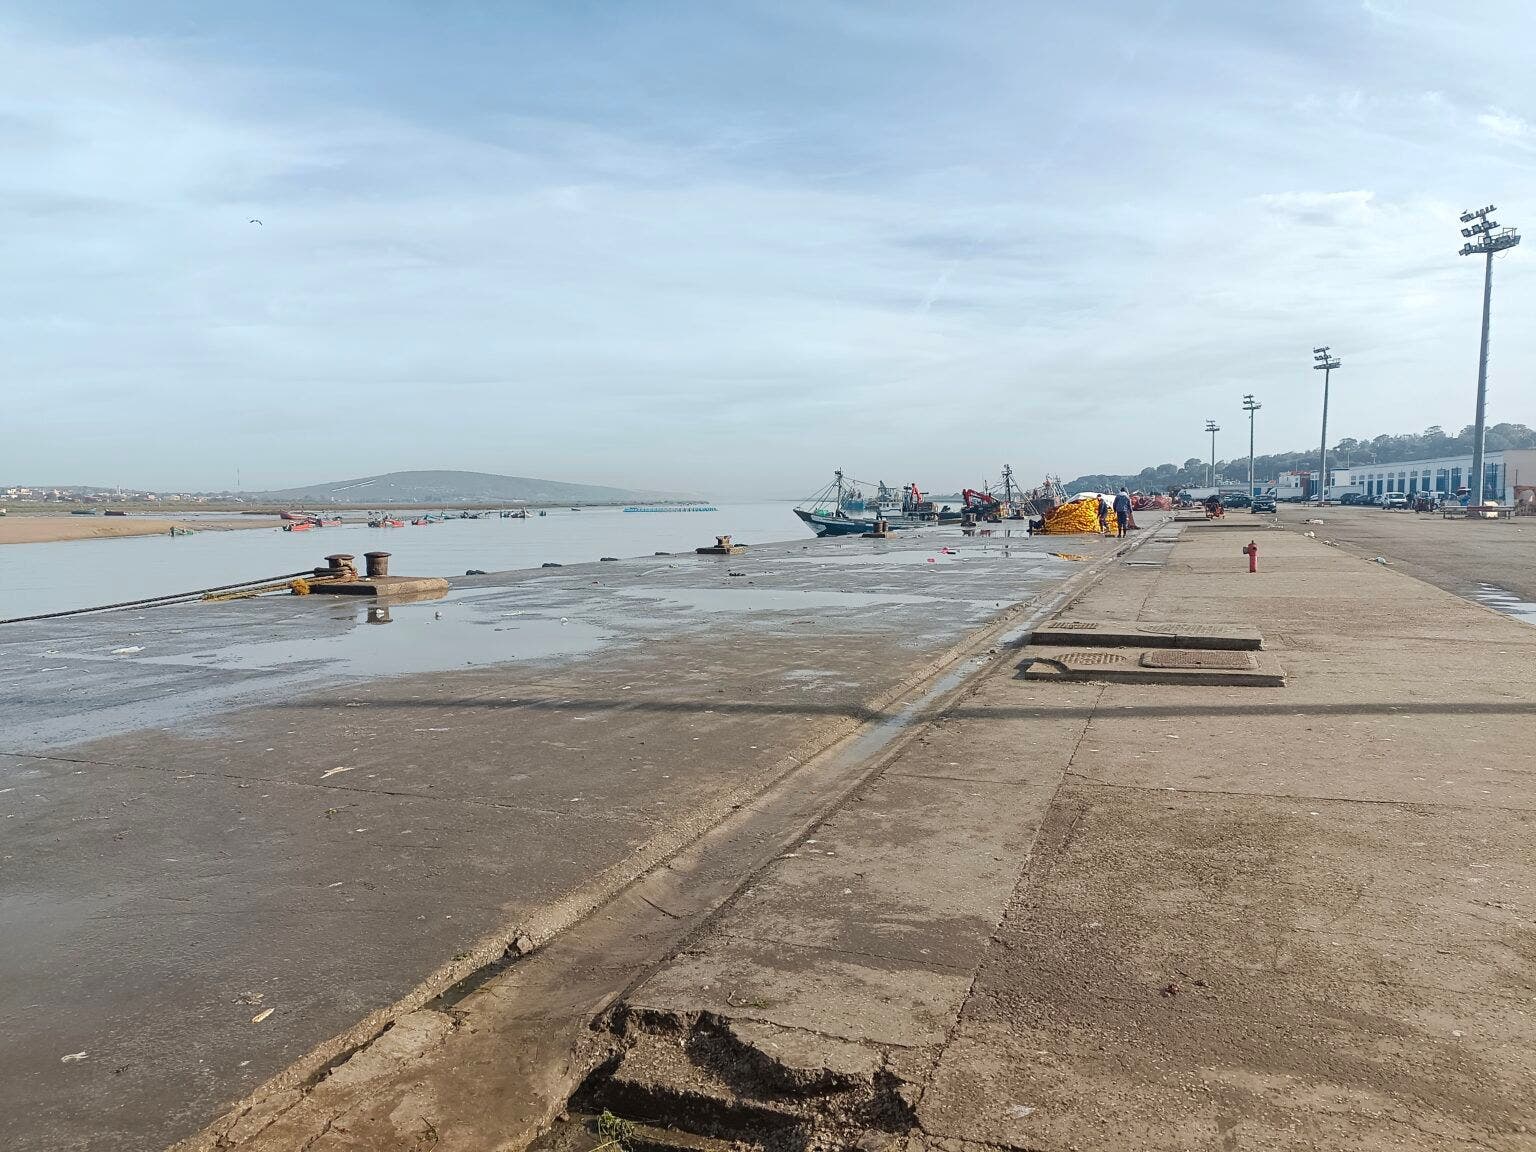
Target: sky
x=726 y=247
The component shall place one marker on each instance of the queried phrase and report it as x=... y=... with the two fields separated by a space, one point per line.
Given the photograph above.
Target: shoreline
x=53 y=529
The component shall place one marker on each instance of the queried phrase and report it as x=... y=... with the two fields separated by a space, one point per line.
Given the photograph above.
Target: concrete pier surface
x=965 y=912
x=242 y=838
x=1079 y=916
x=1459 y=555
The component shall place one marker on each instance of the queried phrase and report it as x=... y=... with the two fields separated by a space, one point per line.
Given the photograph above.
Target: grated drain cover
x=1175 y=658
x=1089 y=659
x=1063 y=624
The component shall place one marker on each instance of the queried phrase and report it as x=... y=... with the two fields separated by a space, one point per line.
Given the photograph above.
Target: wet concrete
x=218 y=810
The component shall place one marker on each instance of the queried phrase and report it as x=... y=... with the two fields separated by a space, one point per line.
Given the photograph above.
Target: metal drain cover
x=1075 y=624
x=1179 y=658
x=1090 y=659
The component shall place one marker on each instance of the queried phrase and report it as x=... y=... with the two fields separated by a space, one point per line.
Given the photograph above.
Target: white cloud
x=1505 y=125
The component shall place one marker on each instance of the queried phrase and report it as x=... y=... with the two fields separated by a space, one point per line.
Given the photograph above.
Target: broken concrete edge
x=497 y=950
x=750 y=1076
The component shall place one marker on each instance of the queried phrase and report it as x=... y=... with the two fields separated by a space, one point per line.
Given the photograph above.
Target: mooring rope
x=160 y=601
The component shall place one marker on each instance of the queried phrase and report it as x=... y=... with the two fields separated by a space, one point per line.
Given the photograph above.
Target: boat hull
x=825 y=525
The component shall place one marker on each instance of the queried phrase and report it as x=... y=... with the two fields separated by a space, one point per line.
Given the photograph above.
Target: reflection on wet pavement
x=1502 y=600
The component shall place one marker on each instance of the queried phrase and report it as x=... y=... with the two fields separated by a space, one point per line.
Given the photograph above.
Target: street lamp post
x=1210 y=476
x=1250 y=406
x=1489 y=239
x=1326 y=363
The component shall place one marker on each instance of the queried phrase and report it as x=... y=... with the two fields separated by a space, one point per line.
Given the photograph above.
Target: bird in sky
x=253 y=220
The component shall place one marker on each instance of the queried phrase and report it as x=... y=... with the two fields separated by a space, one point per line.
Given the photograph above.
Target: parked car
x=1235 y=500
x=1262 y=504
x=1352 y=498
x=1395 y=502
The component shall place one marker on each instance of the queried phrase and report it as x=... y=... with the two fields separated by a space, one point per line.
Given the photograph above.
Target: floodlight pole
x=1210 y=477
x=1326 y=363
x=1250 y=406
x=1490 y=239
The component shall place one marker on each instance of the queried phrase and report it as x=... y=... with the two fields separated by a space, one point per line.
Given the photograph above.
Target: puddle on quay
x=382 y=639
x=1505 y=601
x=767 y=599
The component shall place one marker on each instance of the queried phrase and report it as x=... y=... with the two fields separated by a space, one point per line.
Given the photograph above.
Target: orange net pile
x=1077 y=517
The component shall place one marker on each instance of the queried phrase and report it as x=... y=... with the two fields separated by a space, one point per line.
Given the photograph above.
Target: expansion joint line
x=1022 y=882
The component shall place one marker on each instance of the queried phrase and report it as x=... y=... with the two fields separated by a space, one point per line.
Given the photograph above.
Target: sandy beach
x=45 y=529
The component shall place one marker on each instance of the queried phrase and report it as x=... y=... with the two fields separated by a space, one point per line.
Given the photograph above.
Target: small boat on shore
x=386 y=522
x=517 y=514
x=292 y=516
x=298 y=526
x=423 y=520
x=321 y=522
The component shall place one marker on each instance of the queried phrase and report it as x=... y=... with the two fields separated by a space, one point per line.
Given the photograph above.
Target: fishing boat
x=386 y=522
x=420 y=520
x=542 y=512
x=517 y=514
x=298 y=526
x=321 y=522
x=840 y=509
x=292 y=516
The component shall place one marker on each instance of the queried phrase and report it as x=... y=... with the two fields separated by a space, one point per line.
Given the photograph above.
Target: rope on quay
x=251 y=586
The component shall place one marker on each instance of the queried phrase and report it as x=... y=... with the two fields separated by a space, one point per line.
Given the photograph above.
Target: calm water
x=79 y=573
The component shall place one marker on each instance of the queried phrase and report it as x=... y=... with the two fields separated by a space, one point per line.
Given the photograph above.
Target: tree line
x=1429 y=444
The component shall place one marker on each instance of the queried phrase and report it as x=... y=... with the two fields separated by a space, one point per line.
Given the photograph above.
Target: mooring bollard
x=1252 y=552
x=339 y=566
x=377 y=563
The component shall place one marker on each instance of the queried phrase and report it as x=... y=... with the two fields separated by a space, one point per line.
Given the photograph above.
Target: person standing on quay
x=1103 y=515
x=1123 y=510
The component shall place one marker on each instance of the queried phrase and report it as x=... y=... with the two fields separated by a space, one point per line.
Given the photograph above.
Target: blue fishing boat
x=841 y=509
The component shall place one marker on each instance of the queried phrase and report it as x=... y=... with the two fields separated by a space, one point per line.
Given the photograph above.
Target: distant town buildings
x=24 y=495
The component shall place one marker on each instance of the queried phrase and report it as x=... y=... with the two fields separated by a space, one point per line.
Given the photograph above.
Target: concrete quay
x=242 y=839
x=1105 y=916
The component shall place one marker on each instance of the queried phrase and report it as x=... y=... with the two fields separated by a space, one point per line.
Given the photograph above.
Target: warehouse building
x=1445 y=476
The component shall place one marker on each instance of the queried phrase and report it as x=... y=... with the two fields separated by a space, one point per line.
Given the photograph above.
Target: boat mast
x=839 y=490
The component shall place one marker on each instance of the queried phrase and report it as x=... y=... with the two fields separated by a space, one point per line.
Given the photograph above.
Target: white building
x=1446 y=476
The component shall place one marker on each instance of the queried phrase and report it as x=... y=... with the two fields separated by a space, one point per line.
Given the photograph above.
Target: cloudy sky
x=728 y=246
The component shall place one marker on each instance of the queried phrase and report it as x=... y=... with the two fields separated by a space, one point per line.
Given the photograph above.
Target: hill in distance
x=457 y=488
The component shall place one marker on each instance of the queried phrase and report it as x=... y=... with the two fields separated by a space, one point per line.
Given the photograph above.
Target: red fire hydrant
x=1252 y=552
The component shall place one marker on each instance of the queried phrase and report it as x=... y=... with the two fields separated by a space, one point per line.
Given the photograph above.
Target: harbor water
x=54 y=577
